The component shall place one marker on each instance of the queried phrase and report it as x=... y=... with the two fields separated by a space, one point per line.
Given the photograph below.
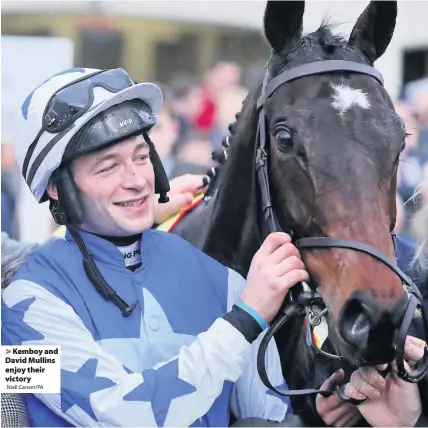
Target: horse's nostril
x=365 y=325
x=355 y=323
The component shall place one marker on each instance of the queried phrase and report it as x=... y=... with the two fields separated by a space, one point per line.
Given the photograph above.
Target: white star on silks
x=152 y=347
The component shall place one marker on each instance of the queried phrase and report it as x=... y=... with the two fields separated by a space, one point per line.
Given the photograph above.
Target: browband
x=312 y=68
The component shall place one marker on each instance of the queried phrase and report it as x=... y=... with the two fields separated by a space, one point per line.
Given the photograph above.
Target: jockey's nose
x=366 y=326
x=133 y=178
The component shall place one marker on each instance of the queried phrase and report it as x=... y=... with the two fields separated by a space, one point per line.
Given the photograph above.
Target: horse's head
x=334 y=145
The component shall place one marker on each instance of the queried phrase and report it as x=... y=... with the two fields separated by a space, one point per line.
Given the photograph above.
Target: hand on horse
x=391 y=401
x=275 y=268
x=333 y=411
x=182 y=191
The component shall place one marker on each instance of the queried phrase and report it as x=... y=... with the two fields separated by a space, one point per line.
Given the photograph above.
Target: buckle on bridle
x=261 y=158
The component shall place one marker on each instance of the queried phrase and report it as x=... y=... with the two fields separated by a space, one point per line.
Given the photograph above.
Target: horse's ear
x=283 y=23
x=373 y=31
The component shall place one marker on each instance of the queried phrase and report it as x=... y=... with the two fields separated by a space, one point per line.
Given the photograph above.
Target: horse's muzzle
x=369 y=329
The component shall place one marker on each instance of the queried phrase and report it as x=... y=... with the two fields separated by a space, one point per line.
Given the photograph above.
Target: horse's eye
x=283 y=139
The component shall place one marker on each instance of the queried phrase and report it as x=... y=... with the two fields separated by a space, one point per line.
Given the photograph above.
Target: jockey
x=152 y=331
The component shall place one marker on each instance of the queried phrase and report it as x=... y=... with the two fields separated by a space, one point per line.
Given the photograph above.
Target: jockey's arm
x=114 y=396
x=250 y=397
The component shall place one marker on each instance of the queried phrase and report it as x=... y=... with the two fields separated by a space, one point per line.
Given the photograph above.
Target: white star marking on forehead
x=345 y=97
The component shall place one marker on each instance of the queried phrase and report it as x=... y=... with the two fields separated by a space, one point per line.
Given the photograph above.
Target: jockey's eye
x=283 y=139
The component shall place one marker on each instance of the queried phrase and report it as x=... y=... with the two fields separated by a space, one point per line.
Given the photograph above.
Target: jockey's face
x=117 y=188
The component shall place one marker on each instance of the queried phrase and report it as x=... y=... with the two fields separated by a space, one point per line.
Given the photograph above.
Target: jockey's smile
x=117 y=187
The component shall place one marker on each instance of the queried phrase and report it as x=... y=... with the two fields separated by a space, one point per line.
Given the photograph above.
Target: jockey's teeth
x=131 y=204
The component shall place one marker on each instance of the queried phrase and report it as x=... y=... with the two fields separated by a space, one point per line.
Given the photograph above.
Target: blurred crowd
x=196 y=116
x=413 y=167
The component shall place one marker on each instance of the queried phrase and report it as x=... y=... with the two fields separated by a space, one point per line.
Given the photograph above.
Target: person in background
x=184 y=102
x=223 y=76
x=193 y=155
x=419 y=227
x=405 y=244
x=409 y=172
x=229 y=102
x=10 y=182
x=166 y=134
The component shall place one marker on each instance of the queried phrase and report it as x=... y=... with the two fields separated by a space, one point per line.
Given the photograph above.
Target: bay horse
x=315 y=152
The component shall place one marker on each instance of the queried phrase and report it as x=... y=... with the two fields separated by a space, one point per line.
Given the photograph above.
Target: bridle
x=299 y=305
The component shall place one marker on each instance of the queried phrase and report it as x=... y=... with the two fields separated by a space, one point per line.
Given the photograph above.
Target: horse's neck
x=194 y=226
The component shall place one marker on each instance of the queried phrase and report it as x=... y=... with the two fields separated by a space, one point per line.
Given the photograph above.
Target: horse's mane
x=220 y=156
x=231 y=213
x=217 y=174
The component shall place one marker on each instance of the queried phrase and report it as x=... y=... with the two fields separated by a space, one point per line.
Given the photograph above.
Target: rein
x=299 y=305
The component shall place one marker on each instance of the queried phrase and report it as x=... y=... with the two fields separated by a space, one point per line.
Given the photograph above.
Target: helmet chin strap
x=161 y=180
x=96 y=277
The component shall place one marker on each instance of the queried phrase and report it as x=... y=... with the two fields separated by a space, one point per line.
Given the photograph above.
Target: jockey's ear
x=52 y=190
